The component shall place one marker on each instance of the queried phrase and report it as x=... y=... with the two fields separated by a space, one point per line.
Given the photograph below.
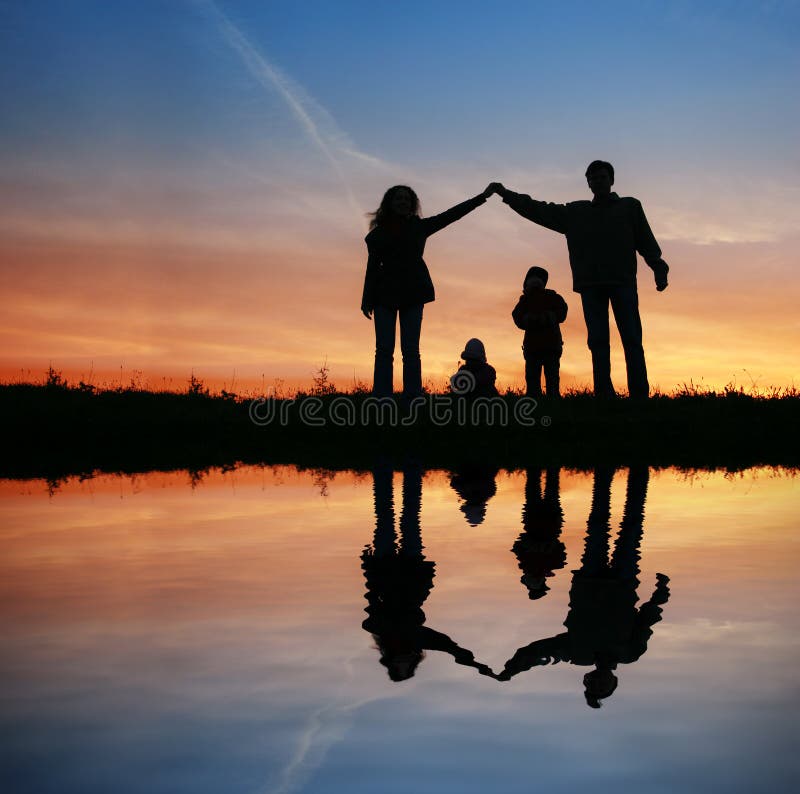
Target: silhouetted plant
x=278 y=389
x=196 y=387
x=322 y=384
x=360 y=387
x=136 y=381
x=55 y=380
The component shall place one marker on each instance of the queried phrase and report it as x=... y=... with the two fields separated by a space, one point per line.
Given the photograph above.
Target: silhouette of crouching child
x=475 y=377
x=399 y=580
x=604 y=627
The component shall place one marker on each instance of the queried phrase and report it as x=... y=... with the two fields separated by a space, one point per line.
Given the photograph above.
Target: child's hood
x=538 y=272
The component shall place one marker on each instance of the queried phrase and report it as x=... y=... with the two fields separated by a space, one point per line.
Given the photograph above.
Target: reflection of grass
x=55 y=428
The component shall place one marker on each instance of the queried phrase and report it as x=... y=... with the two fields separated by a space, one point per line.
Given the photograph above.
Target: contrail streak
x=271 y=78
x=324 y=728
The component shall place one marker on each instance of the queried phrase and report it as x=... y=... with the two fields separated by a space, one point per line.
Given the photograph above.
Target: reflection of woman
x=397 y=282
x=399 y=579
x=604 y=626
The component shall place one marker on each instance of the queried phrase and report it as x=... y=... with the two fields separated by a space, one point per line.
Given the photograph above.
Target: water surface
x=275 y=630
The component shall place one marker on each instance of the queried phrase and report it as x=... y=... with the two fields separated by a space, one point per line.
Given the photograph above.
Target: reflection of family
x=603 y=237
x=604 y=627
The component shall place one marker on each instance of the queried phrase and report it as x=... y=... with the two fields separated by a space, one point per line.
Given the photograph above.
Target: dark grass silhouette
x=54 y=429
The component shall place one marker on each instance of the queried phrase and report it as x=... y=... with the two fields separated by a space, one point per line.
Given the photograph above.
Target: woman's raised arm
x=437 y=222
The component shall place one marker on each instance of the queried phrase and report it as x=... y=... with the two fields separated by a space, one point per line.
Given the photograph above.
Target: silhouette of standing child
x=539 y=312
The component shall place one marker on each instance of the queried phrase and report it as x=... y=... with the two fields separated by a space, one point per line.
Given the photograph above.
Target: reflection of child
x=474 y=377
x=538 y=312
x=475 y=484
x=539 y=550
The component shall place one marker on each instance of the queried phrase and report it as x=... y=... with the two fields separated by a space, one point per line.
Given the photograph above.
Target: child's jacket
x=542 y=331
x=483 y=384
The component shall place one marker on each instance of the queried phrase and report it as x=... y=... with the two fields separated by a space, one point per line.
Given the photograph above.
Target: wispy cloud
x=678 y=224
x=315 y=121
x=708 y=212
x=324 y=727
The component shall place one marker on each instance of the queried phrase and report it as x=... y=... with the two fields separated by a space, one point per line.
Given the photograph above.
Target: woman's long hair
x=384 y=211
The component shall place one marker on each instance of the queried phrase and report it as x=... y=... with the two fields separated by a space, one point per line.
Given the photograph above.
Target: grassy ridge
x=54 y=429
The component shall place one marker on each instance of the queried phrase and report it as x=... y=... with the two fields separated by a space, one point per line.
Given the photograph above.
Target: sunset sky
x=184 y=182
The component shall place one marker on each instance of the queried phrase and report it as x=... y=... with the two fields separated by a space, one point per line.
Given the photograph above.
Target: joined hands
x=494 y=187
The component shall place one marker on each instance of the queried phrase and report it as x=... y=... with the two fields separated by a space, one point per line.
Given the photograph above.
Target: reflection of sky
x=210 y=639
x=181 y=182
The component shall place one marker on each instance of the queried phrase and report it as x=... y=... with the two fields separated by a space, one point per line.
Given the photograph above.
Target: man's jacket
x=602 y=236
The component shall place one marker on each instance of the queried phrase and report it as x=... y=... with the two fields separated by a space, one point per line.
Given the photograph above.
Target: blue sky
x=423 y=81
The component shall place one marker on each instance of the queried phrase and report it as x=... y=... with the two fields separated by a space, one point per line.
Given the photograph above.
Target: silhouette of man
x=539 y=550
x=604 y=627
x=399 y=579
x=603 y=237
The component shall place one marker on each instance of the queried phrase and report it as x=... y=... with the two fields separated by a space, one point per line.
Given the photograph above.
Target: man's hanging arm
x=649 y=249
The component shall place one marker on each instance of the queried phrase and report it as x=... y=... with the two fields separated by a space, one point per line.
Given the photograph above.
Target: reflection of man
x=604 y=627
x=539 y=549
x=475 y=484
x=603 y=237
x=399 y=579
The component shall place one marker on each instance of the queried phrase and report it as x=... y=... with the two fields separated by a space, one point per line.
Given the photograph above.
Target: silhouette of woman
x=397 y=281
x=399 y=579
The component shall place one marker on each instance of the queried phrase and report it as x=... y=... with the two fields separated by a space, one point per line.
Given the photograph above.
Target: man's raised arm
x=551 y=216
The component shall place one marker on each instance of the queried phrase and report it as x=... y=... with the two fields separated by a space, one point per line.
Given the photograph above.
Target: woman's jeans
x=624 y=302
x=410 y=327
